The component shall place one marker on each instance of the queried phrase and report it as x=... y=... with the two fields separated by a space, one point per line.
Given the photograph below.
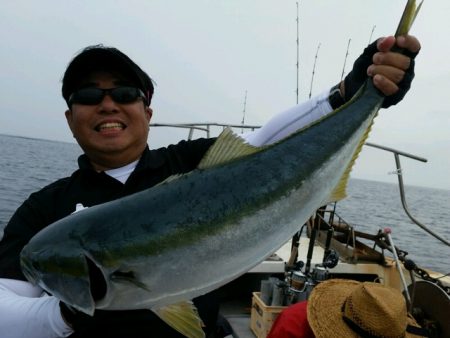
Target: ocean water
x=27 y=165
x=371 y=206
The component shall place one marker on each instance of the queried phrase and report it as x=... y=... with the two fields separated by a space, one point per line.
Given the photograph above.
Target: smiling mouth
x=110 y=126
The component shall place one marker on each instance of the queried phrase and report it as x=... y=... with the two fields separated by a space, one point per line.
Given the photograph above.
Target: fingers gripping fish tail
x=409 y=14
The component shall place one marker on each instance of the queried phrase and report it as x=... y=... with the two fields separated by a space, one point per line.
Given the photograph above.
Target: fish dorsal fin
x=183 y=317
x=228 y=147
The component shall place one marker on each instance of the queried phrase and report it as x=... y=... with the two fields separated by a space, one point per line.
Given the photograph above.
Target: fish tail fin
x=408 y=17
x=182 y=317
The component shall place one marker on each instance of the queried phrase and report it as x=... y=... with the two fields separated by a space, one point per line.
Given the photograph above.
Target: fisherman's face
x=111 y=134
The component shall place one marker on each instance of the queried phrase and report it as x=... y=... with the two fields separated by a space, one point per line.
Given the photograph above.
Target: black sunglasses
x=93 y=95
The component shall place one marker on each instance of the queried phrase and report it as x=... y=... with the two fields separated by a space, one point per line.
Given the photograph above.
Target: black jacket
x=88 y=187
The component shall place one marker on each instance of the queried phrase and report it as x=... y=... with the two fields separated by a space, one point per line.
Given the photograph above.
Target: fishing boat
x=327 y=246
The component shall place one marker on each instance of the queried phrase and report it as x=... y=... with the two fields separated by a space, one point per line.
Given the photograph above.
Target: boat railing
x=204 y=127
x=399 y=173
x=330 y=219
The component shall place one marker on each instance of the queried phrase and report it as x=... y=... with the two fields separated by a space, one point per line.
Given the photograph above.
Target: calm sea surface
x=27 y=165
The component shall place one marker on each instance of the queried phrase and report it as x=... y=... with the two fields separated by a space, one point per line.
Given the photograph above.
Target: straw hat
x=346 y=308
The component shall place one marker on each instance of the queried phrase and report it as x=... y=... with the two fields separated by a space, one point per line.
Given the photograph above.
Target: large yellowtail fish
x=198 y=231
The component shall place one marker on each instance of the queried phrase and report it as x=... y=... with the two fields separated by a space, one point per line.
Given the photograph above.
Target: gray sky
x=204 y=55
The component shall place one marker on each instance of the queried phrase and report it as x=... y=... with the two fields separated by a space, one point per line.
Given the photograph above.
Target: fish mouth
x=29 y=270
x=80 y=288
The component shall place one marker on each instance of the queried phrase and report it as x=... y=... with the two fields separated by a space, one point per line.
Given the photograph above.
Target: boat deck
x=237 y=303
x=237 y=310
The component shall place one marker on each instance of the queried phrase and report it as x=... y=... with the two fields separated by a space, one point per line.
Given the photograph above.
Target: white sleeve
x=25 y=311
x=291 y=120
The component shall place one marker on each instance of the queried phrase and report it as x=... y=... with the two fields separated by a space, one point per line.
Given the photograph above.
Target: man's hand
x=392 y=72
x=389 y=68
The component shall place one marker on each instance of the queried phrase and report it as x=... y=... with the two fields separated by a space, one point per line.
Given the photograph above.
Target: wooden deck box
x=263 y=316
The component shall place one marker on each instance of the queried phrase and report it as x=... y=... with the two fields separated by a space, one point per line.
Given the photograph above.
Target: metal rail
x=395 y=151
x=206 y=127
x=399 y=174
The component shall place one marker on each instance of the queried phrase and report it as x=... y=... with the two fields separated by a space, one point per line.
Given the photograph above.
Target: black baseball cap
x=102 y=58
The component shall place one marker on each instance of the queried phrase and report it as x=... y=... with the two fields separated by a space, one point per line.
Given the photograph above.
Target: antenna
x=243 y=112
x=345 y=60
x=297 y=54
x=314 y=70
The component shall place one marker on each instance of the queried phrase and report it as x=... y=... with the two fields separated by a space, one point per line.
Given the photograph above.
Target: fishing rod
x=314 y=70
x=297 y=54
x=371 y=34
x=243 y=112
x=345 y=59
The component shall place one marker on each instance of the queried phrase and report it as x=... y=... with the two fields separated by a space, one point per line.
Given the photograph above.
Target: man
x=108 y=98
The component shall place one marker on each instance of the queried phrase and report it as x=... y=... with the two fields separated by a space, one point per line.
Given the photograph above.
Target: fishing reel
x=330 y=259
x=300 y=279
x=301 y=283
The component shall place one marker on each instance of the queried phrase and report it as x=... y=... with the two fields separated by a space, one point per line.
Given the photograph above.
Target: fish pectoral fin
x=183 y=317
x=228 y=147
x=128 y=277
